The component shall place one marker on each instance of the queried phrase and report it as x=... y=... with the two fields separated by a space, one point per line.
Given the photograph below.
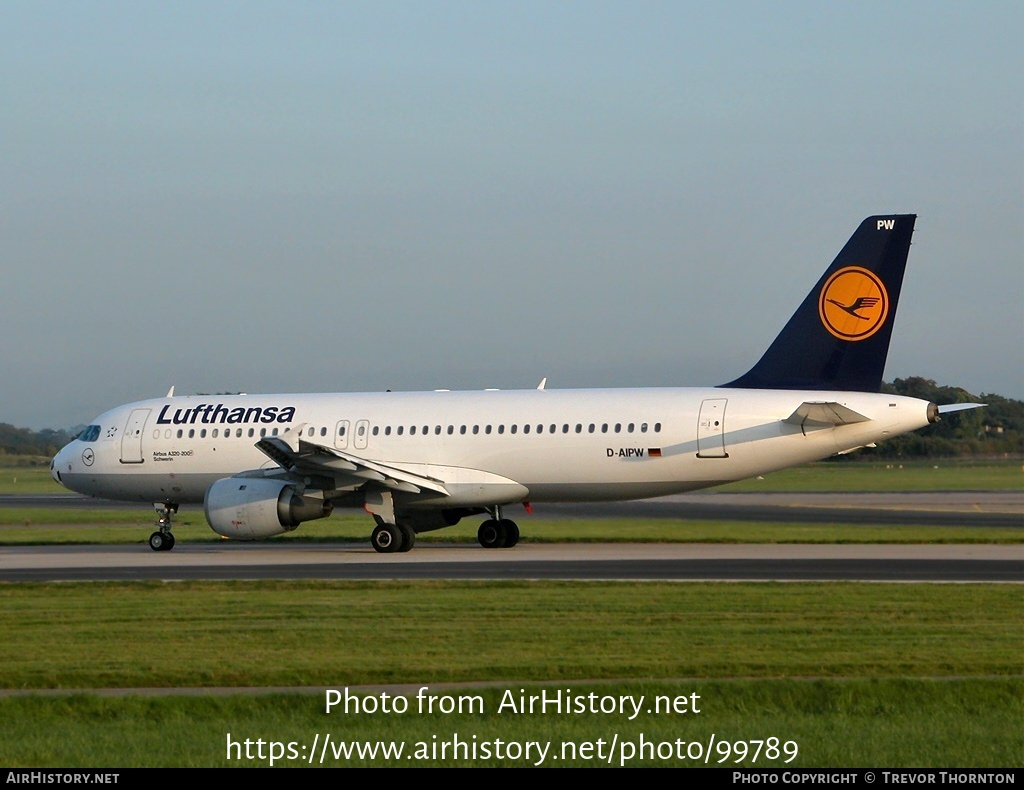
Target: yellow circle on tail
x=853 y=304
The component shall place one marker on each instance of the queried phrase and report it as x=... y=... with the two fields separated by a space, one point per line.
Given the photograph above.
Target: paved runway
x=626 y=561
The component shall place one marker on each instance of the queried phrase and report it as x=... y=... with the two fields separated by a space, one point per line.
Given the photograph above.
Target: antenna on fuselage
x=170 y=392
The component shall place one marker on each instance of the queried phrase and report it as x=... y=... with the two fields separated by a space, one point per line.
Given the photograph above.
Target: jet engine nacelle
x=248 y=508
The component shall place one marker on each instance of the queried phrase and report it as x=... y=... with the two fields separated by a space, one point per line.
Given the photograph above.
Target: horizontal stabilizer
x=824 y=413
x=950 y=407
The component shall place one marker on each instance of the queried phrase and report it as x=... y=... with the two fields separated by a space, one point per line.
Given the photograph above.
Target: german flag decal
x=853 y=304
x=654 y=452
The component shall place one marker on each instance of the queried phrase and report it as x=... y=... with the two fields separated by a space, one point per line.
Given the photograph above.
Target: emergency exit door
x=711 y=429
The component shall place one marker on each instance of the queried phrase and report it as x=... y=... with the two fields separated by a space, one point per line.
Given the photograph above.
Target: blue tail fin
x=838 y=339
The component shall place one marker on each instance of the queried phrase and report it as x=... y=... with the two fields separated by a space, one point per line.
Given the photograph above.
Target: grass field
x=877 y=675
x=826 y=723
x=324 y=633
x=854 y=674
x=882 y=675
x=941 y=475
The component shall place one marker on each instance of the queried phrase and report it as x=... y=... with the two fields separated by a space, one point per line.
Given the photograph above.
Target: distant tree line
x=22 y=441
x=995 y=431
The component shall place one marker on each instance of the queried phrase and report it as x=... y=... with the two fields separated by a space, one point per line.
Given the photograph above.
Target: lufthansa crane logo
x=853 y=305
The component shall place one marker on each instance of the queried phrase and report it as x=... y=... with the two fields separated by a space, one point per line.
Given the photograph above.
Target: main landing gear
x=498 y=532
x=397 y=535
x=162 y=539
x=388 y=536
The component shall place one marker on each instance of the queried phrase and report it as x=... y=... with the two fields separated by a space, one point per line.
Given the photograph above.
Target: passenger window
x=552 y=428
x=579 y=428
x=526 y=428
x=618 y=427
x=437 y=430
x=275 y=431
x=451 y=429
x=387 y=431
x=263 y=433
x=487 y=430
x=604 y=428
x=252 y=432
x=376 y=430
x=180 y=434
x=590 y=428
x=643 y=427
x=476 y=429
x=630 y=428
x=565 y=428
x=412 y=430
x=401 y=428
x=191 y=433
x=202 y=434
x=501 y=429
x=462 y=430
x=657 y=427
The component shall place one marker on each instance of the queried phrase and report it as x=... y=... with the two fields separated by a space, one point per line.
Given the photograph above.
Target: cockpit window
x=90 y=434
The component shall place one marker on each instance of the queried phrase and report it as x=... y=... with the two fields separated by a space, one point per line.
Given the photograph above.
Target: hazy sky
x=343 y=196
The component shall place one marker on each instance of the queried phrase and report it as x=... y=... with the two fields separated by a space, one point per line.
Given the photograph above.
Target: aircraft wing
x=300 y=457
x=824 y=413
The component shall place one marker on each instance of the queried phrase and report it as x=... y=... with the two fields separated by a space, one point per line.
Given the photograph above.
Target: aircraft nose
x=57 y=464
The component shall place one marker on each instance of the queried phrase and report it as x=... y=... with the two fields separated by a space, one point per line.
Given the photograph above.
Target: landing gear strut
x=498 y=532
x=162 y=539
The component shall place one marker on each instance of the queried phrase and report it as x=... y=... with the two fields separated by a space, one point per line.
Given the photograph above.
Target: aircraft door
x=341 y=435
x=131 y=439
x=362 y=434
x=711 y=429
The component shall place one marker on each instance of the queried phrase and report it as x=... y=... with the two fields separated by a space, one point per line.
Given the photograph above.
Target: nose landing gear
x=162 y=539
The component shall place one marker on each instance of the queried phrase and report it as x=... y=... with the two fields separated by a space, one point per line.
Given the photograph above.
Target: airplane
x=420 y=461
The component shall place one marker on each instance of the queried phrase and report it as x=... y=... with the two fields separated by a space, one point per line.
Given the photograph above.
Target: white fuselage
x=490 y=447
